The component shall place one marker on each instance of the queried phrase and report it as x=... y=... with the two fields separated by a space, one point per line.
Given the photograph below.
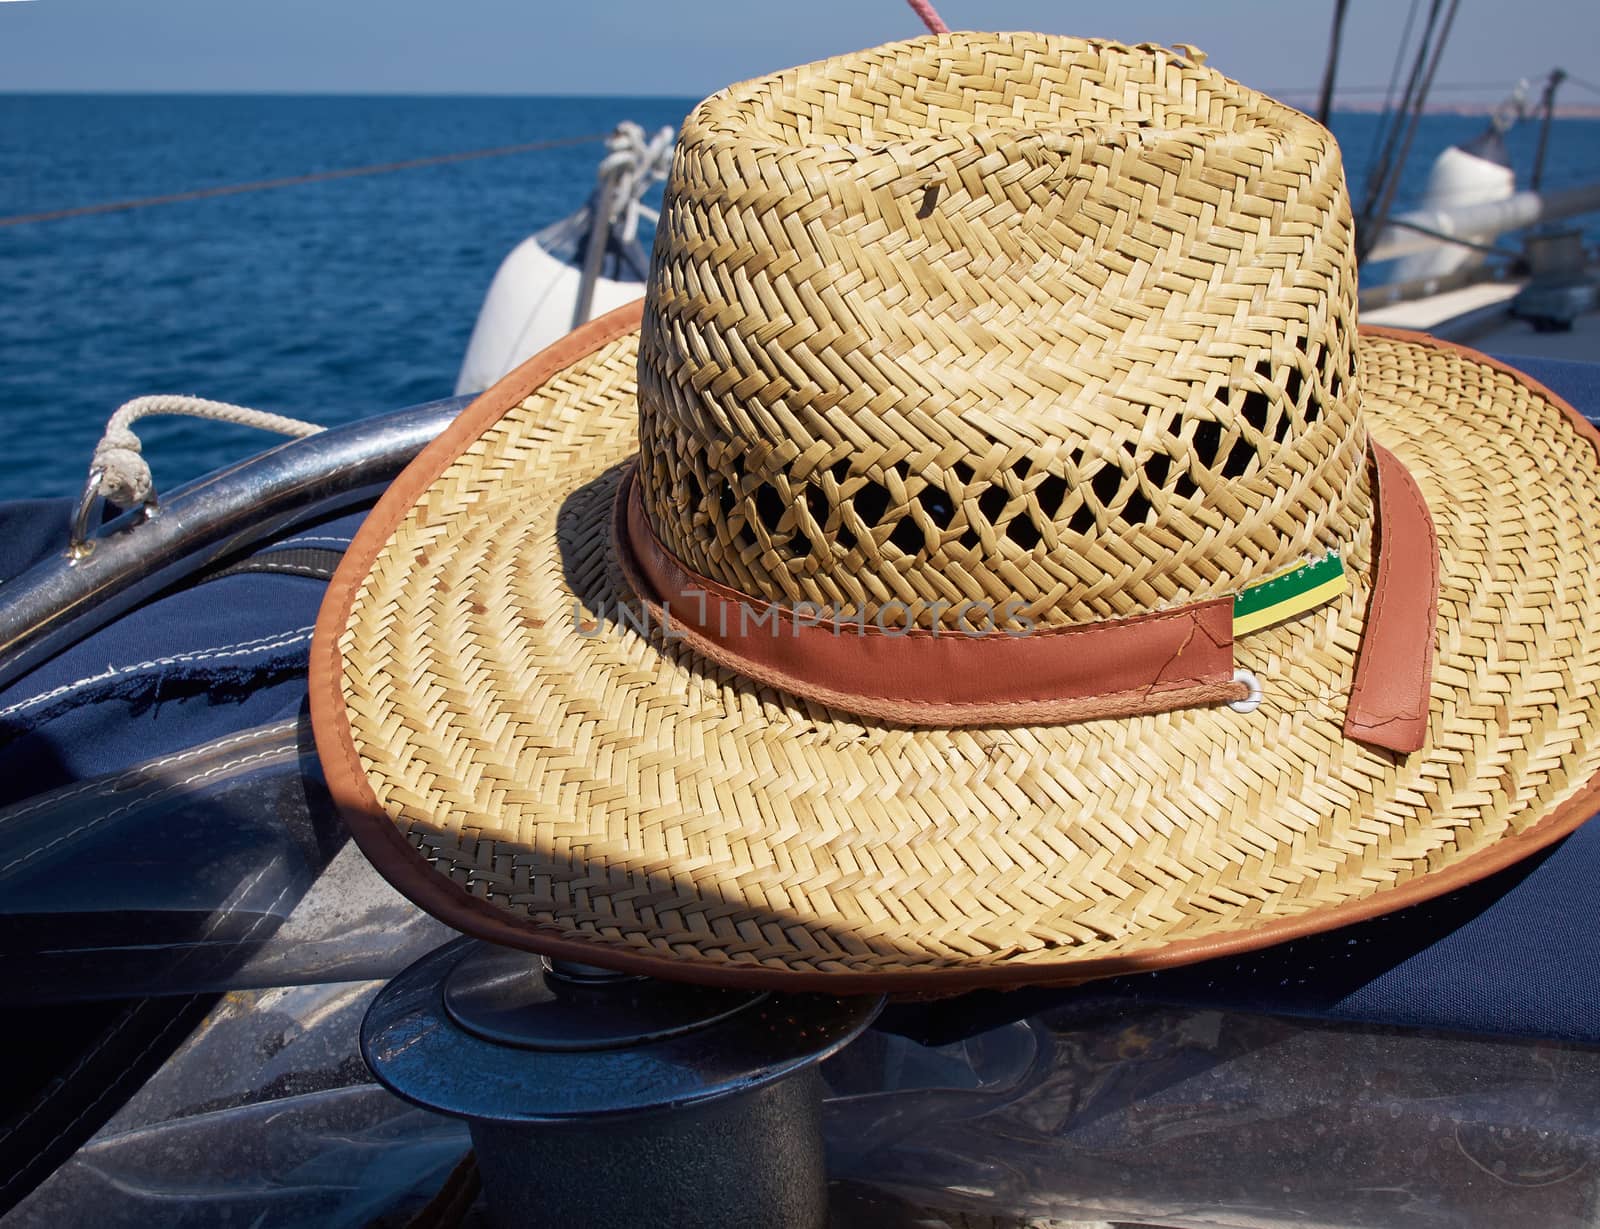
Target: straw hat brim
x=533 y=769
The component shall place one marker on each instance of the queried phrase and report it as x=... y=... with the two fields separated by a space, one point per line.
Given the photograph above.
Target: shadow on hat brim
x=641 y=810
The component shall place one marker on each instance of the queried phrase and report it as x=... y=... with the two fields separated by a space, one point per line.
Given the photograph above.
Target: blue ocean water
x=325 y=301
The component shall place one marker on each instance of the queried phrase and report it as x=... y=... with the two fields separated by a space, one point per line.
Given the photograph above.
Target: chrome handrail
x=58 y=602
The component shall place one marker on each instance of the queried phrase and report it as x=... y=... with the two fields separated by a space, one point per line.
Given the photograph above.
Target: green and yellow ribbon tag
x=1291 y=592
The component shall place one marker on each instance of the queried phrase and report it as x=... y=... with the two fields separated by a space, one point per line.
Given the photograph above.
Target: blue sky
x=692 y=47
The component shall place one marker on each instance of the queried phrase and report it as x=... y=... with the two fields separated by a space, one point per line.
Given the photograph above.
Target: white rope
x=637 y=164
x=124 y=475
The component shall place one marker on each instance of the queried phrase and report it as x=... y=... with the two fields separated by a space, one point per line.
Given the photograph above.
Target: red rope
x=930 y=16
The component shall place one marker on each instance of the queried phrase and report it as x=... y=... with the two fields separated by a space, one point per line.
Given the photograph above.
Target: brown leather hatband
x=992 y=671
x=919 y=676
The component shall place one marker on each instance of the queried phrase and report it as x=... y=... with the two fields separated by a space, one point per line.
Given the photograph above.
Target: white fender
x=1459 y=178
x=530 y=304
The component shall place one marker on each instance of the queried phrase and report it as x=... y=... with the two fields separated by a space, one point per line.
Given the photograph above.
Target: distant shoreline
x=1574 y=110
x=1303 y=100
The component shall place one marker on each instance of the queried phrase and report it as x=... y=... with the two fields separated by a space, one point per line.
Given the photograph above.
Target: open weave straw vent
x=1001 y=318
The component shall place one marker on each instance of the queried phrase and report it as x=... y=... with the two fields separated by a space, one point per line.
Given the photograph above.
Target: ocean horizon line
x=1295 y=97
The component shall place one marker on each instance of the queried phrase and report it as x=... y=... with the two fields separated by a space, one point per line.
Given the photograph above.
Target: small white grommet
x=1252 y=701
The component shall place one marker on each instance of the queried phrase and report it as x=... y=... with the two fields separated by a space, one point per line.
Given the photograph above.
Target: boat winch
x=602 y=1098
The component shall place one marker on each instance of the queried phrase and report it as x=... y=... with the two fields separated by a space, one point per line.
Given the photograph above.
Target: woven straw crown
x=1003 y=317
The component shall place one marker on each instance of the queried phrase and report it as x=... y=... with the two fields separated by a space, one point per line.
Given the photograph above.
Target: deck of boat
x=1479 y=316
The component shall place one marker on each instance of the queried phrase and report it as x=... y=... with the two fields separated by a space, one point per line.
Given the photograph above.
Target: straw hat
x=990 y=554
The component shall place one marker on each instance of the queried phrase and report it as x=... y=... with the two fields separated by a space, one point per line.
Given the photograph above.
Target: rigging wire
x=264 y=185
x=1394 y=119
x=1373 y=218
x=1388 y=94
x=1330 y=70
x=1486 y=249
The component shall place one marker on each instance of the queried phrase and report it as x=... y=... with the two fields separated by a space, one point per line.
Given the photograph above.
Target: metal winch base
x=753 y=1159
x=604 y=1099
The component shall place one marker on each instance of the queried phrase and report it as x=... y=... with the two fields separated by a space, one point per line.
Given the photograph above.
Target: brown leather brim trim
x=398 y=862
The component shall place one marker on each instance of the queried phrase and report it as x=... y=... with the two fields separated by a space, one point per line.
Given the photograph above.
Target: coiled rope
x=633 y=163
x=124 y=475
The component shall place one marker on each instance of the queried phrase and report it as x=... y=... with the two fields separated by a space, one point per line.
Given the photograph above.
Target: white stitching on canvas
x=297 y=569
x=302 y=541
x=161 y=1035
x=143 y=800
x=242 y=649
x=83 y=1060
x=106 y=1038
x=114 y=783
